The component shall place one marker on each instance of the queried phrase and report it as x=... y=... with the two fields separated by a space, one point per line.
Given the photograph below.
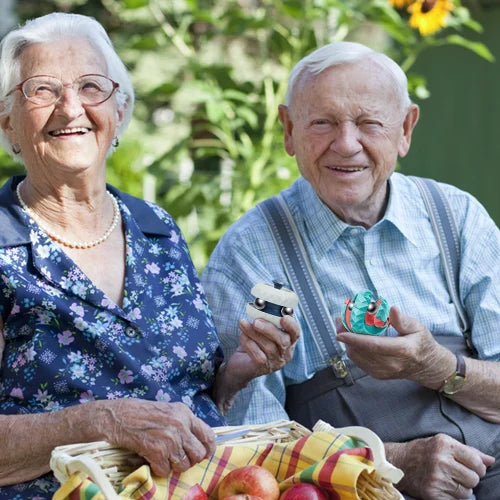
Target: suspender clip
x=469 y=344
x=339 y=367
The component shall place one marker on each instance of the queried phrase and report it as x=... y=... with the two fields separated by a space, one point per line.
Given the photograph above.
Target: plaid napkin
x=140 y=485
x=331 y=461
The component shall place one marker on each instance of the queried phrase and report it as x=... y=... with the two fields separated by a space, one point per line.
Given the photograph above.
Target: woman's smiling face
x=66 y=134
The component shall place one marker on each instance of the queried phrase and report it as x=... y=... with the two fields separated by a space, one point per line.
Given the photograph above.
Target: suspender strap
x=298 y=268
x=448 y=239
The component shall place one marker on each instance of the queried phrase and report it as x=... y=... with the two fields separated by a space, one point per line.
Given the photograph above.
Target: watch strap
x=459 y=373
x=460 y=365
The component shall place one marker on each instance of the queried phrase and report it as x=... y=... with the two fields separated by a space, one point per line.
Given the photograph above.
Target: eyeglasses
x=45 y=90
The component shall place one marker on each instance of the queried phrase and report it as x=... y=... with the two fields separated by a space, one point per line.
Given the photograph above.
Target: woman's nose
x=69 y=102
x=346 y=140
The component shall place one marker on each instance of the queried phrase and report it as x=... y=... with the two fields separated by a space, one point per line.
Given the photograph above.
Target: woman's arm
x=167 y=435
x=263 y=349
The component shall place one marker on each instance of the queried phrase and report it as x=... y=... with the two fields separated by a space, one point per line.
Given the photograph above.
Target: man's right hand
x=168 y=435
x=438 y=467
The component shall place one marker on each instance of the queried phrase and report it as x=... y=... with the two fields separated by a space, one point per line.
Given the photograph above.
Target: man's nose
x=346 y=139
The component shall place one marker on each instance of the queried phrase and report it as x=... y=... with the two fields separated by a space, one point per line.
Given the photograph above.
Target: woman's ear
x=120 y=116
x=4 y=118
x=6 y=124
x=409 y=123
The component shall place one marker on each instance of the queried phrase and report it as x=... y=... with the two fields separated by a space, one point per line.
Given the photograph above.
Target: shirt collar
x=323 y=227
x=15 y=232
x=399 y=209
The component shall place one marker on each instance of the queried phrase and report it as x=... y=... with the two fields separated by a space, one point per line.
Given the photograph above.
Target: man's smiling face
x=346 y=127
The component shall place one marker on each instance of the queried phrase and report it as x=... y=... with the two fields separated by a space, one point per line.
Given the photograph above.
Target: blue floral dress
x=67 y=343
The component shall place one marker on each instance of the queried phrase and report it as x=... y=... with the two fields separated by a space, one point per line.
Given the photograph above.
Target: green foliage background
x=205 y=141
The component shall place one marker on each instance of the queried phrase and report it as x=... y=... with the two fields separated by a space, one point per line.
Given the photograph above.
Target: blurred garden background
x=205 y=141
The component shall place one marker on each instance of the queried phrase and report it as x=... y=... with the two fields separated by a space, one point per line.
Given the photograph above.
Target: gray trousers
x=398 y=411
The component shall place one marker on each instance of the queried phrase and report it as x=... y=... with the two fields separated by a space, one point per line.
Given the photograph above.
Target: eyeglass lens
x=91 y=89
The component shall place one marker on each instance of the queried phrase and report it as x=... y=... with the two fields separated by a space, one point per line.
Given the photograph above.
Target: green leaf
x=135 y=4
x=477 y=47
x=215 y=111
x=473 y=25
x=249 y=116
x=236 y=95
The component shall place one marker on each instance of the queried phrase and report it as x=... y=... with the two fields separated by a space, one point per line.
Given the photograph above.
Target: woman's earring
x=16 y=149
x=115 y=142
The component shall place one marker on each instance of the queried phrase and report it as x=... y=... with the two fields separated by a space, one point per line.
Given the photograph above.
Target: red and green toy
x=364 y=314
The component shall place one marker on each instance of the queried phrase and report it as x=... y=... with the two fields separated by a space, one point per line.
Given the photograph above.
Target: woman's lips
x=69 y=131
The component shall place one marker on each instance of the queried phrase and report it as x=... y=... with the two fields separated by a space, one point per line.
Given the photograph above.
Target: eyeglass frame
x=19 y=87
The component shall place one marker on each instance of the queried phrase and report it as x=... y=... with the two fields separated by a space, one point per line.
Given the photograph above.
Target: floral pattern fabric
x=67 y=343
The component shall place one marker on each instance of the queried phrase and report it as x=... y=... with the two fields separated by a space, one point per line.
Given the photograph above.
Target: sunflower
x=429 y=16
x=399 y=3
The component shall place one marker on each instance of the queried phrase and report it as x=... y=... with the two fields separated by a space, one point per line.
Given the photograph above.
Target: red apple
x=303 y=491
x=195 y=493
x=252 y=480
x=242 y=496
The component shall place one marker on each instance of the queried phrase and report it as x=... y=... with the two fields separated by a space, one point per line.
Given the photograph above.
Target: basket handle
x=93 y=471
x=382 y=466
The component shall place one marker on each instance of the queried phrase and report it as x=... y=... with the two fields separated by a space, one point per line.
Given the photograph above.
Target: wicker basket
x=108 y=465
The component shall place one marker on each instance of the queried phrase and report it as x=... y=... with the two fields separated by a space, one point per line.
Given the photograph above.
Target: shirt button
x=131 y=332
x=373 y=261
x=354 y=231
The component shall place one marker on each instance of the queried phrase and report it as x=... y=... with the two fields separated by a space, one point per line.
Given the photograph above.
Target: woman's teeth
x=66 y=131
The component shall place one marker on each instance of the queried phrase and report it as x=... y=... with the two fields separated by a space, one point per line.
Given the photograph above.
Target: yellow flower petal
x=429 y=16
x=399 y=3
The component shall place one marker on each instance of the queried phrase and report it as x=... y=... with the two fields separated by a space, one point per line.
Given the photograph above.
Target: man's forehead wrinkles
x=345 y=109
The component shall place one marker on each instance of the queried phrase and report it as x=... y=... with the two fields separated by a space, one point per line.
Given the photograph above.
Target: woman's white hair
x=50 y=28
x=337 y=53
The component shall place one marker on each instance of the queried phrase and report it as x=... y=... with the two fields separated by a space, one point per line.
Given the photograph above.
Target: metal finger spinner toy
x=272 y=302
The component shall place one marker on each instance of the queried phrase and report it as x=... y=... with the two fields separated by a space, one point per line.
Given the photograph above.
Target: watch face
x=454 y=385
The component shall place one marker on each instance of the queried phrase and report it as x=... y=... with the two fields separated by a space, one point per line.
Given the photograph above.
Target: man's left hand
x=414 y=354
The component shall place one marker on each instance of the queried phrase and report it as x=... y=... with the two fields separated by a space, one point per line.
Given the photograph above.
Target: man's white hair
x=59 y=26
x=338 y=53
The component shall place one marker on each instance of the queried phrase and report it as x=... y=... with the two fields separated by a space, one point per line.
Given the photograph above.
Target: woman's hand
x=168 y=435
x=263 y=349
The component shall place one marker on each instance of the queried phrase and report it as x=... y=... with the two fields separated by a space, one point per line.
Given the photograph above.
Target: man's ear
x=409 y=123
x=286 y=121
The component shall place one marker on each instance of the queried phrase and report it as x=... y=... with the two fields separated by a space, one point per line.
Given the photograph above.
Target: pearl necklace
x=71 y=244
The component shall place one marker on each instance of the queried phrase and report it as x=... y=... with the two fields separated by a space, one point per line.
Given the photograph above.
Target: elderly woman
x=106 y=333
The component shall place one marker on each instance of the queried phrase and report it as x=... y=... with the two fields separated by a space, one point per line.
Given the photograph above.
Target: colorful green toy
x=365 y=315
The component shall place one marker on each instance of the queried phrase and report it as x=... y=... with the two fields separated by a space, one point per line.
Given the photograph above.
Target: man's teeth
x=64 y=131
x=349 y=169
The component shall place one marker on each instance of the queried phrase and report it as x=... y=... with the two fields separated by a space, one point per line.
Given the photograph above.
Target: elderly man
x=347 y=119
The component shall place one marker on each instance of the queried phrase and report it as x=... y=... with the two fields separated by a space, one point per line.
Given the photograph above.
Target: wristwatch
x=456 y=380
